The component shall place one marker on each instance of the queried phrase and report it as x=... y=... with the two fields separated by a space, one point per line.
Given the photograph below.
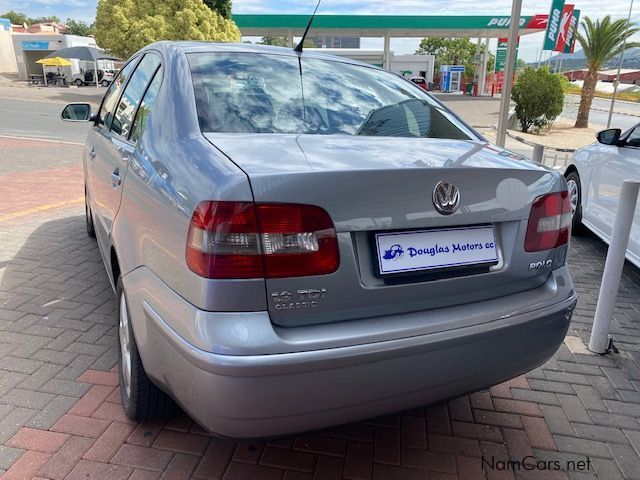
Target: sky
x=529 y=45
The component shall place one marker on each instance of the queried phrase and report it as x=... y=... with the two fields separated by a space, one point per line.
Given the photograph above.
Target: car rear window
x=269 y=93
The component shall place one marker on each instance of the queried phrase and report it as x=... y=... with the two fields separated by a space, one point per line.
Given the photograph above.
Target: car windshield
x=270 y=93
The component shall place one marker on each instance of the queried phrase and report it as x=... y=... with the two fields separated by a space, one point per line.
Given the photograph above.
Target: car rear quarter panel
x=173 y=169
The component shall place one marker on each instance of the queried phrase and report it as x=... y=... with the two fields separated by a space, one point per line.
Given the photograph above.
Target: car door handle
x=115 y=178
x=92 y=154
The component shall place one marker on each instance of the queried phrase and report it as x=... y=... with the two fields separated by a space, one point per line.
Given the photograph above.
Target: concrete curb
x=512 y=121
x=533 y=144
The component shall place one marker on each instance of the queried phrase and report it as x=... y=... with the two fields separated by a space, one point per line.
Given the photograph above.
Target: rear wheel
x=141 y=399
x=105 y=83
x=78 y=82
x=575 y=197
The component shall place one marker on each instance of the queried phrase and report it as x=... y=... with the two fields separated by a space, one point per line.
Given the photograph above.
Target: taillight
x=297 y=240
x=223 y=241
x=247 y=240
x=549 y=222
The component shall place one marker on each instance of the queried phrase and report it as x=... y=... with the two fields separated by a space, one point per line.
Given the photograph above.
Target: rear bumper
x=281 y=393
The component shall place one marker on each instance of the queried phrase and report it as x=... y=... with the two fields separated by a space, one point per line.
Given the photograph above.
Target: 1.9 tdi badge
x=309 y=298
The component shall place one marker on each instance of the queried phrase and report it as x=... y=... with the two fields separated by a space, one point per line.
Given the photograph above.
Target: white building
x=31 y=47
x=7 y=55
x=414 y=65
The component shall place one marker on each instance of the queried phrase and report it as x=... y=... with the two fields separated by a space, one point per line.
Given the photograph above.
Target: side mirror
x=610 y=136
x=77 y=112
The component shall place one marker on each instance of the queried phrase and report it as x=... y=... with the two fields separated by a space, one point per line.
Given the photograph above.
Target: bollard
x=538 y=153
x=613 y=266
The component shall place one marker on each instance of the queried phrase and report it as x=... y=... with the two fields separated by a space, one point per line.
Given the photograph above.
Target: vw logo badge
x=446 y=197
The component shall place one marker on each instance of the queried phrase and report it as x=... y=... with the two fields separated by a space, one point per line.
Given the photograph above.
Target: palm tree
x=602 y=41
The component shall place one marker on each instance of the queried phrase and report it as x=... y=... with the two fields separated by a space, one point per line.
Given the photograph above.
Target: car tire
x=78 y=82
x=575 y=196
x=105 y=83
x=88 y=218
x=141 y=399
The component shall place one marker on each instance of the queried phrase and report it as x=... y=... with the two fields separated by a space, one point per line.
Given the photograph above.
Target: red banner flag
x=571 y=37
x=565 y=24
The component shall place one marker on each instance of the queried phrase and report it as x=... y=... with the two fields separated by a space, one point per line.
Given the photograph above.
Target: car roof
x=185 y=47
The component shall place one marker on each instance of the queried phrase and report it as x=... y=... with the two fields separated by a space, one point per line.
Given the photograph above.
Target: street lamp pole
x=510 y=65
x=617 y=82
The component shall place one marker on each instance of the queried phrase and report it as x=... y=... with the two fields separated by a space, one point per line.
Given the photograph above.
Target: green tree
x=453 y=51
x=601 y=41
x=432 y=46
x=16 y=18
x=125 y=26
x=449 y=51
x=47 y=19
x=539 y=97
x=277 y=41
x=78 y=27
x=223 y=7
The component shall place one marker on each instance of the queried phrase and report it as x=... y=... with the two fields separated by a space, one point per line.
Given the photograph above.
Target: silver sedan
x=299 y=240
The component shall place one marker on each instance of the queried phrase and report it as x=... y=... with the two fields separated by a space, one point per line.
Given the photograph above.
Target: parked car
x=314 y=246
x=105 y=77
x=595 y=178
x=421 y=82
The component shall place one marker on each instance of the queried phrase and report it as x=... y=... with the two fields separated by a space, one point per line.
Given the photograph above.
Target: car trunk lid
x=371 y=186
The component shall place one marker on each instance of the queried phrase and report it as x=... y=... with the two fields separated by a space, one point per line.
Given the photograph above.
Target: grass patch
x=627 y=96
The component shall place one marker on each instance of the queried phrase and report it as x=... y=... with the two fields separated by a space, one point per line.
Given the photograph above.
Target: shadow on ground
x=55 y=295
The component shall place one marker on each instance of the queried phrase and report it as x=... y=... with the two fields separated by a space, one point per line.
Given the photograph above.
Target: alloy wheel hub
x=573 y=195
x=125 y=344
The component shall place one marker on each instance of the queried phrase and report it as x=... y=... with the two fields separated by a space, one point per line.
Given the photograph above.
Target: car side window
x=111 y=97
x=633 y=140
x=142 y=116
x=133 y=92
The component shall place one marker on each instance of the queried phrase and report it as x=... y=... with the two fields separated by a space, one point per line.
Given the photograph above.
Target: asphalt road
x=604 y=103
x=34 y=112
x=625 y=116
x=619 y=120
x=38 y=119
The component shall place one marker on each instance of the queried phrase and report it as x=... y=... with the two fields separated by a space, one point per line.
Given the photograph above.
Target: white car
x=595 y=178
x=86 y=78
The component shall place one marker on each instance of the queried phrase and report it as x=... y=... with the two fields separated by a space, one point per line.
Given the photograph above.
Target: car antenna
x=298 y=48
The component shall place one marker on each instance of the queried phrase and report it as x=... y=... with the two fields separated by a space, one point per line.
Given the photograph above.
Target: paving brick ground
x=61 y=418
x=37 y=176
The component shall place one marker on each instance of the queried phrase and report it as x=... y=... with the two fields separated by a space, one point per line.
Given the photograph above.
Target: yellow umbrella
x=55 y=62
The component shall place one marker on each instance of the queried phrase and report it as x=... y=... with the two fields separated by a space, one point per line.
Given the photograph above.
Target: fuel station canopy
x=405 y=26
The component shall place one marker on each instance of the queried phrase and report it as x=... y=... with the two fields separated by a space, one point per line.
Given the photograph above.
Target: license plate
x=431 y=249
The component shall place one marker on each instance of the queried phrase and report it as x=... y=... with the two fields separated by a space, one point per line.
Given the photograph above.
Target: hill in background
x=577 y=61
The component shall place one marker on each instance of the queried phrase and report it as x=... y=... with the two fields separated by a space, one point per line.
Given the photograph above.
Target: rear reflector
x=247 y=240
x=549 y=222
